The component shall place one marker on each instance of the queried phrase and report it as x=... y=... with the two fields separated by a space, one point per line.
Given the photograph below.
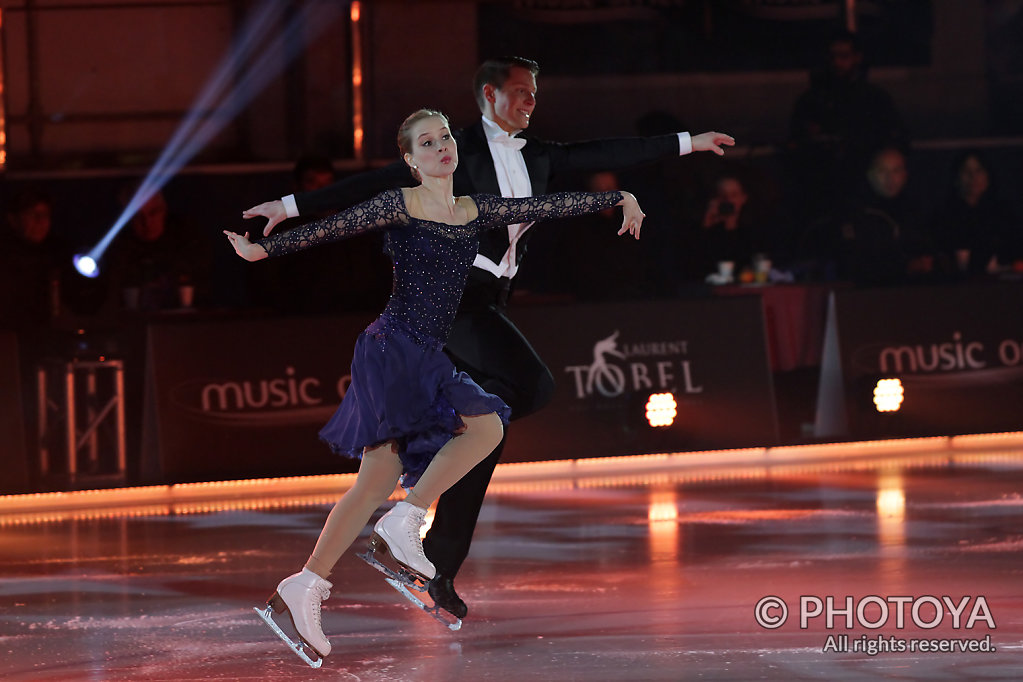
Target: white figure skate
x=300 y=597
x=402 y=559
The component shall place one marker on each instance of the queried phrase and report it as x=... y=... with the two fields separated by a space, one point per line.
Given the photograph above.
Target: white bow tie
x=509 y=141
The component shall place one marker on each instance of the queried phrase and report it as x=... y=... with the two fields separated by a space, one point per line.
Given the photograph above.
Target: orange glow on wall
x=3 y=115
x=358 y=132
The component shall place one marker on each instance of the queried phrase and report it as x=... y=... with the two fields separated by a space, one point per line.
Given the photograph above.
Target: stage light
x=86 y=265
x=257 y=55
x=661 y=409
x=888 y=395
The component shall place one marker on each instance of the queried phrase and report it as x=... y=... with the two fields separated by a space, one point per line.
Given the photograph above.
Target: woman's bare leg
x=378 y=475
x=460 y=454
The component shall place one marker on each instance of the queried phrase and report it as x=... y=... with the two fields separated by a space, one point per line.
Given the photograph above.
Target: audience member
x=835 y=126
x=876 y=236
x=31 y=261
x=159 y=261
x=732 y=228
x=975 y=228
x=652 y=265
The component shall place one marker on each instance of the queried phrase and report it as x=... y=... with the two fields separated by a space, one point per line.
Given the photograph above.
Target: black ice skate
x=442 y=616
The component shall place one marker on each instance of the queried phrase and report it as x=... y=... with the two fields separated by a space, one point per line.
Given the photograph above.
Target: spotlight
x=258 y=53
x=661 y=409
x=86 y=265
x=888 y=395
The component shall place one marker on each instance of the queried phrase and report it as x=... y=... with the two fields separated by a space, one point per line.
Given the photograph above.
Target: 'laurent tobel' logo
x=614 y=370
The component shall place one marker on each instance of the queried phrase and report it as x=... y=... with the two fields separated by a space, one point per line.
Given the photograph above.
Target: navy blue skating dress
x=404 y=388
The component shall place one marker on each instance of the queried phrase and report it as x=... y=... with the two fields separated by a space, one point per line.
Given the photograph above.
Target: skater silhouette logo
x=608 y=380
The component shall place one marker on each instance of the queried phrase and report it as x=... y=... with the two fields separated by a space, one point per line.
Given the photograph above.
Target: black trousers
x=488 y=347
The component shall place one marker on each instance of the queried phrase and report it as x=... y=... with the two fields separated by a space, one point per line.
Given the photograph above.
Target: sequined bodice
x=432 y=260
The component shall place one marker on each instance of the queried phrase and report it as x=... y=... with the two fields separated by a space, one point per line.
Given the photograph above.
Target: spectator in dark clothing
x=877 y=236
x=159 y=261
x=38 y=282
x=836 y=125
x=975 y=228
x=32 y=262
x=733 y=227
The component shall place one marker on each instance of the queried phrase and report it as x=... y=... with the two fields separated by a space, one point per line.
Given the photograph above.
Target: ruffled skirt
x=408 y=392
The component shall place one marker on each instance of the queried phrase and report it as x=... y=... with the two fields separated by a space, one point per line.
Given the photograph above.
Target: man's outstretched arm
x=622 y=152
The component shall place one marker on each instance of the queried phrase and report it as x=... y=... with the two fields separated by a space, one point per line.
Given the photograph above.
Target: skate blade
x=266 y=615
x=398 y=571
x=445 y=618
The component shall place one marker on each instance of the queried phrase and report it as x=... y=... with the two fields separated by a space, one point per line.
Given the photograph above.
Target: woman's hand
x=632 y=215
x=273 y=211
x=244 y=248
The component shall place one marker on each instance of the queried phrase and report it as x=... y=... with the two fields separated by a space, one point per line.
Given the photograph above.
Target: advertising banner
x=609 y=359
x=956 y=351
x=243 y=399
x=13 y=463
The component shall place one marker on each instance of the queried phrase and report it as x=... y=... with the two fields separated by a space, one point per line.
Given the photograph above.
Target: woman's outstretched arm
x=380 y=212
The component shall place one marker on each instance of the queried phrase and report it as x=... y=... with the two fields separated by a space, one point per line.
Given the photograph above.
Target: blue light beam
x=271 y=55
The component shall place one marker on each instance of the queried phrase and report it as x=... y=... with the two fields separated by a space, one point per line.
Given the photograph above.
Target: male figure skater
x=493 y=159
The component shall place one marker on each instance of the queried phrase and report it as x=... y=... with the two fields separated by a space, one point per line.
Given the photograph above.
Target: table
x=795 y=315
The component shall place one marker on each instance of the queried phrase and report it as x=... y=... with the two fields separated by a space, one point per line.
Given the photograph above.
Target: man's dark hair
x=496 y=71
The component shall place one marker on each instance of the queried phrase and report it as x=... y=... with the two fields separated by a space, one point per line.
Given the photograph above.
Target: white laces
x=323 y=592
x=416 y=518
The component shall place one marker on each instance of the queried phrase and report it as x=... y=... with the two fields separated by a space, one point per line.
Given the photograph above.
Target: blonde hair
x=405 y=131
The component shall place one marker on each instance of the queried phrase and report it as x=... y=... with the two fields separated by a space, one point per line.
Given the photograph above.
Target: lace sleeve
x=499 y=211
x=384 y=210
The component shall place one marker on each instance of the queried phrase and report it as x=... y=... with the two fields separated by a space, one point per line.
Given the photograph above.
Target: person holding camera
x=729 y=229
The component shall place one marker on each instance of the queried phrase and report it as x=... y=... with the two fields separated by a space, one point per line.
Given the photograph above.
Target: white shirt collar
x=493 y=130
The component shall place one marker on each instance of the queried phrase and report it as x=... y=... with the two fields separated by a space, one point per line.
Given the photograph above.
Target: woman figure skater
x=407 y=413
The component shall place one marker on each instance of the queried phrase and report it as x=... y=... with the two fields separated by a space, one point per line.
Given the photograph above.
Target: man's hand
x=712 y=142
x=273 y=211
